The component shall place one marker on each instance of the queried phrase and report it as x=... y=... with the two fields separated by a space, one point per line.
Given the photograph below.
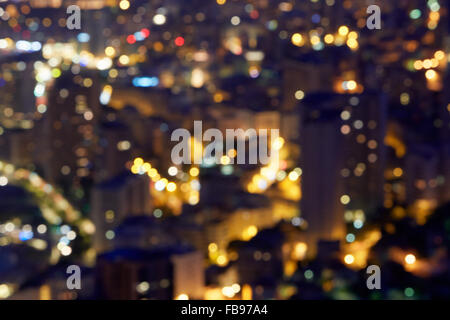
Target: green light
x=309 y=274
x=415 y=14
x=409 y=292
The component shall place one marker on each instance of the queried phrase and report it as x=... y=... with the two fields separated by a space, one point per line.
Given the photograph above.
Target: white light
x=66 y=251
x=159 y=19
x=42 y=228
x=173 y=171
x=3 y=181
x=104 y=64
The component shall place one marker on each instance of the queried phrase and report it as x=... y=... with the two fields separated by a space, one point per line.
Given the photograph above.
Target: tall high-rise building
x=342 y=158
x=114 y=200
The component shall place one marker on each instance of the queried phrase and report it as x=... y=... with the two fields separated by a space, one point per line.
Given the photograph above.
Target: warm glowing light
x=430 y=74
x=329 y=38
x=194 y=172
x=172 y=171
x=410 y=259
x=345 y=199
x=343 y=30
x=222 y=260
x=124 y=4
x=171 y=187
x=297 y=39
x=110 y=51
x=349 y=259
x=398 y=172
x=212 y=247
x=225 y=160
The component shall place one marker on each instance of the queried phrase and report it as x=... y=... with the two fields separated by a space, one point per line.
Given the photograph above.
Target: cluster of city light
x=9 y=45
x=231 y=291
x=189 y=187
x=439 y=60
x=356 y=252
x=68 y=235
x=270 y=173
x=217 y=255
x=348 y=86
x=55 y=210
x=434 y=15
x=427 y=64
x=54 y=207
x=318 y=41
x=138 y=36
x=356 y=218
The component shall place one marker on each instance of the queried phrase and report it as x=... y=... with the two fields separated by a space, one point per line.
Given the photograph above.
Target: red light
x=179 y=41
x=145 y=32
x=254 y=14
x=131 y=39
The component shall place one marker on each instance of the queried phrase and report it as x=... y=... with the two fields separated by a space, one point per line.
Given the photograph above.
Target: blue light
x=139 y=36
x=84 y=37
x=315 y=18
x=25 y=235
x=145 y=82
x=350 y=237
x=358 y=224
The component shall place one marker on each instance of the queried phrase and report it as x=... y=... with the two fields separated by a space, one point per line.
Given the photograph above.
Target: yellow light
x=345 y=199
x=225 y=160
x=315 y=40
x=212 y=247
x=222 y=260
x=110 y=51
x=278 y=144
x=353 y=35
x=351 y=85
x=410 y=259
x=427 y=63
x=398 y=172
x=418 y=65
x=293 y=176
x=124 y=4
x=252 y=231
x=146 y=166
x=124 y=59
x=343 y=30
x=221 y=2
x=435 y=16
x=299 y=94
x=194 y=172
x=434 y=63
x=218 y=97
x=300 y=250
x=194 y=199
x=349 y=259
x=138 y=162
x=5 y=291
x=232 y=153
x=352 y=43
x=297 y=39
x=171 y=187
x=329 y=38
x=430 y=74
x=152 y=173
x=182 y=296
x=439 y=55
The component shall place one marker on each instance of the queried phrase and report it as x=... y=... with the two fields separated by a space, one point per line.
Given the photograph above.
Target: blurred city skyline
x=360 y=177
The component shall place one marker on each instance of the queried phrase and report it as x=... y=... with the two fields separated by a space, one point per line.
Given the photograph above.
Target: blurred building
x=114 y=200
x=342 y=158
x=163 y=273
